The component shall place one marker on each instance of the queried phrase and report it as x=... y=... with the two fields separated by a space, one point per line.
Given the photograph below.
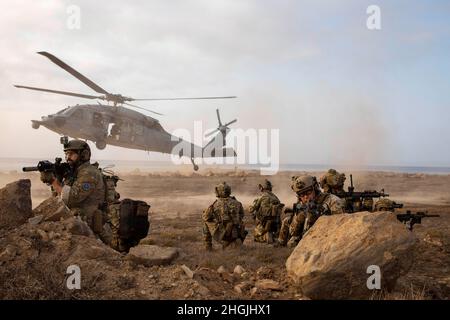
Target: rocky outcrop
x=334 y=258
x=52 y=209
x=15 y=204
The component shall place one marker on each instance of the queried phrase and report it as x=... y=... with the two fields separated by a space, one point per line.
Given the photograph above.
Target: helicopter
x=116 y=125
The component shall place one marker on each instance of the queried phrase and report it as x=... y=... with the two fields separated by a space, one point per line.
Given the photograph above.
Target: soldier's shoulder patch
x=86 y=186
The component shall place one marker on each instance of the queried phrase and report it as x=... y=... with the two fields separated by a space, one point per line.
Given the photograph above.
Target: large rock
x=52 y=209
x=15 y=204
x=150 y=255
x=332 y=259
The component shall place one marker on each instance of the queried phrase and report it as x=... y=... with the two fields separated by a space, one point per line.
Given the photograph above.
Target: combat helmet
x=223 y=190
x=385 y=204
x=266 y=185
x=79 y=146
x=302 y=184
x=332 y=179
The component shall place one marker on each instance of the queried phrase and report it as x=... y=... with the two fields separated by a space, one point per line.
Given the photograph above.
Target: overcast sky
x=339 y=92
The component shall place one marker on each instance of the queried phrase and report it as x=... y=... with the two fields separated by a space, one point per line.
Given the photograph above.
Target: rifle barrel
x=28 y=169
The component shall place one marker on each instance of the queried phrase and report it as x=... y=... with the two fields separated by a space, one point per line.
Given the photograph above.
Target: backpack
x=129 y=217
x=133 y=219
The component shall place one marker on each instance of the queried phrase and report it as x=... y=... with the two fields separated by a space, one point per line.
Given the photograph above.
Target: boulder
x=15 y=204
x=150 y=255
x=52 y=209
x=335 y=258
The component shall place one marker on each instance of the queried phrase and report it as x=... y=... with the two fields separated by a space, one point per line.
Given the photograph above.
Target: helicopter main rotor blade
x=73 y=72
x=73 y=94
x=218 y=117
x=196 y=98
x=233 y=121
x=132 y=105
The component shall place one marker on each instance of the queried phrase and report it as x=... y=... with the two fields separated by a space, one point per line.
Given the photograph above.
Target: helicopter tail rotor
x=223 y=129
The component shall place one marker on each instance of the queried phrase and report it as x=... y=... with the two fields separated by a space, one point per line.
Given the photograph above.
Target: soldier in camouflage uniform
x=311 y=204
x=332 y=182
x=83 y=192
x=266 y=211
x=223 y=220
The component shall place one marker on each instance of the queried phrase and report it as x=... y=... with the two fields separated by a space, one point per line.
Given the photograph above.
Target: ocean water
x=16 y=164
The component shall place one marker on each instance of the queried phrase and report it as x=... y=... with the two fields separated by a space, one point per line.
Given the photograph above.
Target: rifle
x=412 y=218
x=296 y=207
x=396 y=205
x=351 y=196
x=60 y=169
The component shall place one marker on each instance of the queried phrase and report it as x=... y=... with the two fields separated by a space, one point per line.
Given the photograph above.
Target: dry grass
x=411 y=293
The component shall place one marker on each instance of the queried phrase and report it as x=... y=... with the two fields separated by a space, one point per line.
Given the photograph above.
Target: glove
x=47 y=177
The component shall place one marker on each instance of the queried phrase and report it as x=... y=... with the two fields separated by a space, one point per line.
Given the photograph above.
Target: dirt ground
x=177 y=201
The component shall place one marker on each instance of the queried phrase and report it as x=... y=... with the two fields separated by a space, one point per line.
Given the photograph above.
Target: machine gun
x=354 y=199
x=60 y=169
x=410 y=219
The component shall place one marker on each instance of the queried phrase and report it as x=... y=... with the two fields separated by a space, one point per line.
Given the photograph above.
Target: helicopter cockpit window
x=153 y=124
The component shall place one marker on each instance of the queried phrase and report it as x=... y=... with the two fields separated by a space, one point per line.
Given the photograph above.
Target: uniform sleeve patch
x=86 y=186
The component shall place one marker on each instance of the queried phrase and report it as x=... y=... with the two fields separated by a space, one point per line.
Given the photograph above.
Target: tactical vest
x=227 y=211
x=269 y=210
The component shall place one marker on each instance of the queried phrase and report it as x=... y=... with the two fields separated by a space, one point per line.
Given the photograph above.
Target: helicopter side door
x=99 y=125
x=122 y=131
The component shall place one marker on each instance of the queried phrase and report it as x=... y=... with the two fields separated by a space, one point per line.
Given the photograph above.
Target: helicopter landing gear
x=195 y=166
x=101 y=144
